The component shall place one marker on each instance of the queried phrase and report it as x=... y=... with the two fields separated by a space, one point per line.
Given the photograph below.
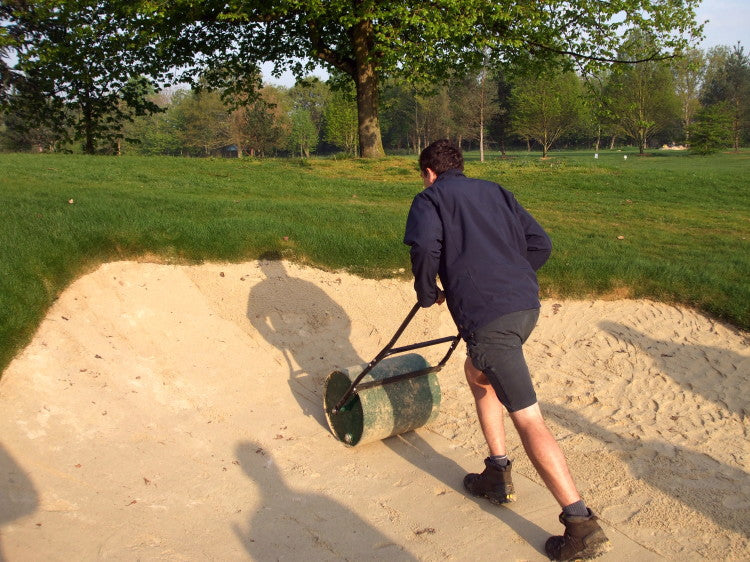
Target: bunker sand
x=175 y=413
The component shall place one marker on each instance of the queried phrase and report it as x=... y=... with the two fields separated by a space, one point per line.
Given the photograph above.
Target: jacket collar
x=453 y=172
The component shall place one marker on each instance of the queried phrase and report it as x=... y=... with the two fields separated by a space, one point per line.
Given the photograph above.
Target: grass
x=669 y=226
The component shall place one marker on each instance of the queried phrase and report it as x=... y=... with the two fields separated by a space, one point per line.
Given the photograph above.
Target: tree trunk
x=736 y=126
x=88 y=126
x=612 y=142
x=366 y=80
x=481 y=115
x=598 y=138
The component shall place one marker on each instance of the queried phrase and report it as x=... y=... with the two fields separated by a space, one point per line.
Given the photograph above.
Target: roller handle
x=388 y=350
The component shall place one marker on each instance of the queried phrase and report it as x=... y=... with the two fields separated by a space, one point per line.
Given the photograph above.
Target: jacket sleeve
x=424 y=233
x=538 y=243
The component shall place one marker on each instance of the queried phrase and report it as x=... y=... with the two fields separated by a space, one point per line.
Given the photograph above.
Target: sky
x=729 y=22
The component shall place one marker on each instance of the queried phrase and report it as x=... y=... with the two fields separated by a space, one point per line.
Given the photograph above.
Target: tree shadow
x=291 y=525
x=411 y=447
x=307 y=326
x=673 y=470
x=18 y=497
x=714 y=373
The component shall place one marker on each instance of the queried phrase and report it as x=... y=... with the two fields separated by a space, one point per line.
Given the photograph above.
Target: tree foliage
x=79 y=71
x=369 y=41
x=547 y=106
x=642 y=97
x=340 y=117
x=712 y=129
x=303 y=136
x=688 y=73
x=728 y=82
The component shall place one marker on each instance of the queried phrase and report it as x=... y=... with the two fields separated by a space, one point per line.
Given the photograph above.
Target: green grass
x=685 y=221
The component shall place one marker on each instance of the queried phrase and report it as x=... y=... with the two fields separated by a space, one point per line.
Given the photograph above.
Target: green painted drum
x=379 y=412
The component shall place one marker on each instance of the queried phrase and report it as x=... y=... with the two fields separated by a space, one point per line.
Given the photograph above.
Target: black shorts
x=496 y=349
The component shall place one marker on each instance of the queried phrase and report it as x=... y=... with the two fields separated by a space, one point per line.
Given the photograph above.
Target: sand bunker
x=175 y=413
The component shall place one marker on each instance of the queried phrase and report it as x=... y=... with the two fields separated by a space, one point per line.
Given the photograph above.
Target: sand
x=169 y=412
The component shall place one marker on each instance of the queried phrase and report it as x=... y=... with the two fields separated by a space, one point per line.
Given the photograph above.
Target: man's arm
x=424 y=233
x=538 y=243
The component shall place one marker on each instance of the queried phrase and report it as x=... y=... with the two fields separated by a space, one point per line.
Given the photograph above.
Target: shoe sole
x=494 y=498
x=592 y=550
x=510 y=498
x=497 y=500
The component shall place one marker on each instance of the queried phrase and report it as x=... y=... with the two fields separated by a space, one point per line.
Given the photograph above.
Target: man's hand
x=440 y=297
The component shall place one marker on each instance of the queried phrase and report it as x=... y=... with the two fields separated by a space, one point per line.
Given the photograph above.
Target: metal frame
x=389 y=350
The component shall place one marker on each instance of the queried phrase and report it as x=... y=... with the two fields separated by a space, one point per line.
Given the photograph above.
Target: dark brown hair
x=442 y=155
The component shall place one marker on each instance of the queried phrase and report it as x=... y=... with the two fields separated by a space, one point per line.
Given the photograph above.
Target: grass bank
x=669 y=226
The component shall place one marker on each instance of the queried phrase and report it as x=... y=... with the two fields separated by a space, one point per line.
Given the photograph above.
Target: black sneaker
x=583 y=539
x=495 y=483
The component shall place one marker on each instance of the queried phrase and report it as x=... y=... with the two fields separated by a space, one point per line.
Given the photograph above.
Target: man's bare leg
x=545 y=454
x=490 y=411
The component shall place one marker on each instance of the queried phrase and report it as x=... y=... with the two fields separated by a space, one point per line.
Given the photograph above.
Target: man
x=486 y=248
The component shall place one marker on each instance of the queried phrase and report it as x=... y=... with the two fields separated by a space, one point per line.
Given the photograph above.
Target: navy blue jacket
x=482 y=243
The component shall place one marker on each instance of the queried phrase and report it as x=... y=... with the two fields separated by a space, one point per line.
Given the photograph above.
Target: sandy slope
x=174 y=412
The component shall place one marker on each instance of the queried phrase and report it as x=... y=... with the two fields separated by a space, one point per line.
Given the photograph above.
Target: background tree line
x=82 y=68
x=701 y=99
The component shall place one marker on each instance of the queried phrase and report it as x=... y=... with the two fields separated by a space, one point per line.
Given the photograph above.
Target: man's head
x=441 y=156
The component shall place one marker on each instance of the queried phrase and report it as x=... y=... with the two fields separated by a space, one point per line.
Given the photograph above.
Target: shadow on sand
x=297 y=318
x=411 y=447
x=18 y=497
x=714 y=373
x=291 y=525
x=708 y=481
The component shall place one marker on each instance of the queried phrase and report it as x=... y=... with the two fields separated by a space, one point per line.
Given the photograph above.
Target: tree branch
x=321 y=51
x=650 y=58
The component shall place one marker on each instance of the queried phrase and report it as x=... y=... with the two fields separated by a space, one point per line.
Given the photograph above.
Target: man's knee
x=528 y=417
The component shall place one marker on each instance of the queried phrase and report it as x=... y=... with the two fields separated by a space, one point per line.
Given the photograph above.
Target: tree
x=473 y=105
x=547 y=106
x=728 y=81
x=78 y=72
x=712 y=129
x=688 y=76
x=399 y=108
x=311 y=94
x=602 y=118
x=368 y=41
x=201 y=119
x=433 y=118
x=340 y=117
x=642 y=96
x=500 y=124
x=266 y=122
x=303 y=136
x=17 y=135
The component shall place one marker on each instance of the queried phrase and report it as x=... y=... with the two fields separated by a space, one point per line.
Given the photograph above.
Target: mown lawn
x=668 y=226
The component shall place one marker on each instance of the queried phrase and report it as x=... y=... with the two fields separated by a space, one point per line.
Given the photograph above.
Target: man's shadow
x=649 y=463
x=292 y=525
x=18 y=497
x=411 y=447
x=714 y=373
x=307 y=326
